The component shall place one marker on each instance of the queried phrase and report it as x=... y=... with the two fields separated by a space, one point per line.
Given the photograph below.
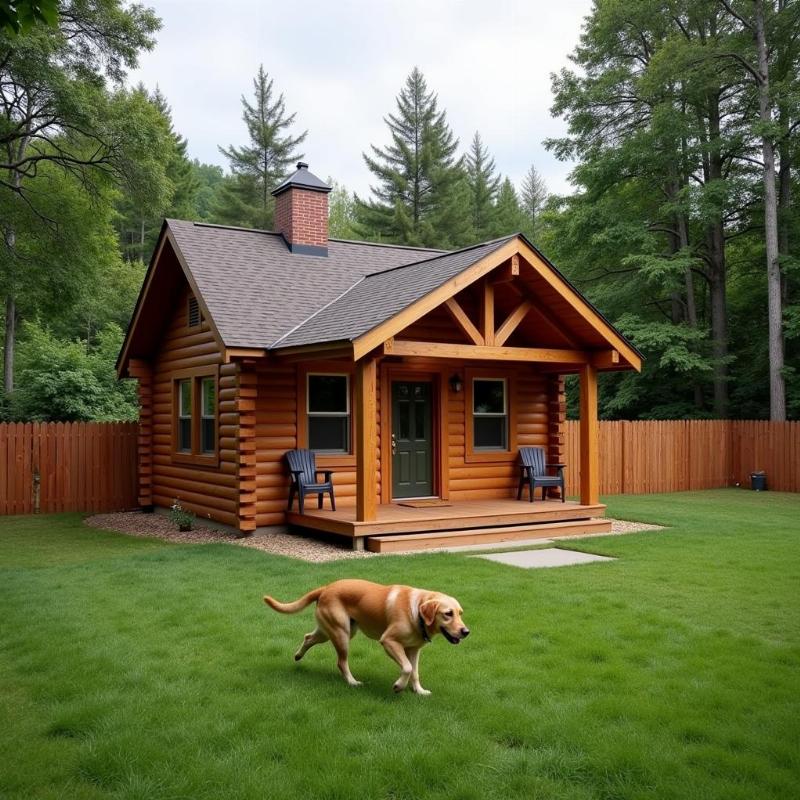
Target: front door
x=412 y=450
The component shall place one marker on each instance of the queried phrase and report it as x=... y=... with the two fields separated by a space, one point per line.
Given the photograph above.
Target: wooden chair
x=533 y=471
x=303 y=466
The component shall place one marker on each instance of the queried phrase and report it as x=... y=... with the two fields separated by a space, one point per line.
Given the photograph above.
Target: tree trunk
x=777 y=388
x=717 y=274
x=10 y=341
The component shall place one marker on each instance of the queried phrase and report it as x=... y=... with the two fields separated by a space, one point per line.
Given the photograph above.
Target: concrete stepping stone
x=547 y=557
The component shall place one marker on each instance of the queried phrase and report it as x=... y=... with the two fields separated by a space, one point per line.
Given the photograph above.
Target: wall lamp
x=455 y=383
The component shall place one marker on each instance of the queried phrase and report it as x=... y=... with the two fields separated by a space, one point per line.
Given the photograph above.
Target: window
x=328 y=407
x=208 y=415
x=489 y=414
x=195 y=437
x=193 y=313
x=185 y=416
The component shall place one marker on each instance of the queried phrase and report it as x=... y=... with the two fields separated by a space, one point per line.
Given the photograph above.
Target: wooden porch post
x=589 y=434
x=366 y=439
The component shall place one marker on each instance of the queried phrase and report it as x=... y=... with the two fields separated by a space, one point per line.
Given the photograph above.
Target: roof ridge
x=318 y=311
x=444 y=255
x=226 y=227
x=388 y=245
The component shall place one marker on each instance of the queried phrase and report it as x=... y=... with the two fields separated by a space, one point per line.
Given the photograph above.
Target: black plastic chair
x=303 y=466
x=533 y=471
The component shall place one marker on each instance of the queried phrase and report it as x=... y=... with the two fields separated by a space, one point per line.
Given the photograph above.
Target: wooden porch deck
x=468 y=517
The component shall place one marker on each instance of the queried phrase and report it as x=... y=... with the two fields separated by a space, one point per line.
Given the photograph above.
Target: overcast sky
x=340 y=65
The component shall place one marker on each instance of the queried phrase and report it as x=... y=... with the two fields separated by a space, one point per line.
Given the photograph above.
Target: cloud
x=340 y=66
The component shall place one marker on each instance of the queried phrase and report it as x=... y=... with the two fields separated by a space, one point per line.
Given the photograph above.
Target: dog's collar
x=422 y=628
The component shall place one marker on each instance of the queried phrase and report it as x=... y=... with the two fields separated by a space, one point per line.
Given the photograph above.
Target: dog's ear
x=428 y=610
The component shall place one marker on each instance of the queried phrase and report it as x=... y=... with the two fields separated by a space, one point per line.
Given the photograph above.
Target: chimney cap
x=302 y=179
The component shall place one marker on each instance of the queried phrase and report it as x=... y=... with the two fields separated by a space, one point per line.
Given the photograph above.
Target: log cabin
x=415 y=375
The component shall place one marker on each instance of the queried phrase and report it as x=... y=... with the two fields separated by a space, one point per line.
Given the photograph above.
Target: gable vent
x=194 y=312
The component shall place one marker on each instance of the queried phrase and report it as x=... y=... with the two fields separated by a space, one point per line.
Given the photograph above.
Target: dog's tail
x=297 y=605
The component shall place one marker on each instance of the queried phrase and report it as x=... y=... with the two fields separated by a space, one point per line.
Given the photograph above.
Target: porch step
x=508 y=533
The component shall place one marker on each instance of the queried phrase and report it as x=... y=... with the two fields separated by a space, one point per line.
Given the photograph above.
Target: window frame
x=195 y=456
x=345 y=461
x=181 y=416
x=347 y=414
x=483 y=454
x=203 y=416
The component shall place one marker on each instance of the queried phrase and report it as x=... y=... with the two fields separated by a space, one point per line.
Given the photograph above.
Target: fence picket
x=82 y=466
x=92 y=466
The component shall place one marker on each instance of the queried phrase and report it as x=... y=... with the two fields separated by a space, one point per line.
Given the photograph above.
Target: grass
x=138 y=669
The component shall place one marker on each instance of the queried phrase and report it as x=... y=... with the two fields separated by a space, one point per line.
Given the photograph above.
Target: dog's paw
x=421 y=691
x=354 y=683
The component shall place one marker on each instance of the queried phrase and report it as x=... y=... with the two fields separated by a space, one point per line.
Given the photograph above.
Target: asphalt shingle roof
x=379 y=296
x=258 y=292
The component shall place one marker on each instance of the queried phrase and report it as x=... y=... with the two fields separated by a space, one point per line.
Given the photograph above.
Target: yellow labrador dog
x=401 y=618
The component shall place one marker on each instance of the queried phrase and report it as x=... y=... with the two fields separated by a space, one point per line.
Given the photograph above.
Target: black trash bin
x=758 y=481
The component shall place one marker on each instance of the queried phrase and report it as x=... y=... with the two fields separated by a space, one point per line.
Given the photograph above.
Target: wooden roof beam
x=487 y=311
x=512 y=322
x=460 y=316
x=404 y=347
x=508 y=271
x=238 y=353
x=606 y=359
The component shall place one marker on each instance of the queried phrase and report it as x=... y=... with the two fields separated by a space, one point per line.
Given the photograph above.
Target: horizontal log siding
x=488 y=480
x=211 y=492
x=276 y=432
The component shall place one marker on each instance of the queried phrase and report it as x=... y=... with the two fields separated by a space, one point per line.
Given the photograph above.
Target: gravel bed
x=275 y=540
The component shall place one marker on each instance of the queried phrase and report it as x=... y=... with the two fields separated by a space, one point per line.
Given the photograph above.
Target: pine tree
x=533 y=197
x=509 y=217
x=483 y=185
x=245 y=198
x=419 y=197
x=139 y=220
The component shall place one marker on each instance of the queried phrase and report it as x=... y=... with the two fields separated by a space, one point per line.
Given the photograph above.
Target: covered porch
x=400 y=525
x=447 y=391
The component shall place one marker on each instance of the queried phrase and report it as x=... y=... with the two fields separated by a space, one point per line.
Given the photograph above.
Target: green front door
x=412 y=450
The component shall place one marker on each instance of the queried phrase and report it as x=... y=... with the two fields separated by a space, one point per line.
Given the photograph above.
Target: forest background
x=682 y=226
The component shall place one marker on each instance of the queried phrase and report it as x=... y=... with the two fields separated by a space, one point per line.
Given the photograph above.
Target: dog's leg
x=396 y=652
x=341 y=642
x=309 y=640
x=413 y=657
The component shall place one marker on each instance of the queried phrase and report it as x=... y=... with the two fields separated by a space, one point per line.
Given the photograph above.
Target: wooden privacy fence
x=67 y=466
x=649 y=456
x=91 y=466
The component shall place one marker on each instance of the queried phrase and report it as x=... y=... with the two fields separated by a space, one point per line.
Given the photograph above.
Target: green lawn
x=136 y=669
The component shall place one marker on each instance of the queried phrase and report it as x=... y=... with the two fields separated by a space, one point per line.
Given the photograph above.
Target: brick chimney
x=301 y=212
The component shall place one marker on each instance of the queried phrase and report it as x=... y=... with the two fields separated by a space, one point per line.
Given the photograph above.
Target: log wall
x=210 y=491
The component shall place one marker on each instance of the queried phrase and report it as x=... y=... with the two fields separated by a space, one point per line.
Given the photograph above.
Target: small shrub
x=180 y=516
